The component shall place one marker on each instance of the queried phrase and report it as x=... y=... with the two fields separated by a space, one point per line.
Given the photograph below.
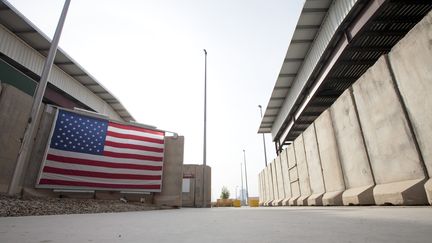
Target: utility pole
x=265 y=150
x=247 y=190
x=241 y=192
x=205 y=128
x=27 y=142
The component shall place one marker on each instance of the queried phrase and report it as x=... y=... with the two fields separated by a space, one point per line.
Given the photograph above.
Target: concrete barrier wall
x=394 y=158
x=274 y=183
x=411 y=61
x=286 y=178
x=302 y=169
x=14 y=109
x=270 y=185
x=359 y=181
x=260 y=188
x=331 y=168
x=280 y=181
x=314 y=166
x=293 y=175
x=374 y=144
x=266 y=190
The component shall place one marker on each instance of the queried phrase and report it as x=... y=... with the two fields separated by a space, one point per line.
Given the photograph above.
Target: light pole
x=205 y=128
x=236 y=189
x=247 y=190
x=241 y=192
x=265 y=151
x=27 y=142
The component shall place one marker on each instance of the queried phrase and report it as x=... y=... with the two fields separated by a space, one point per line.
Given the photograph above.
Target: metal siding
x=19 y=51
x=335 y=16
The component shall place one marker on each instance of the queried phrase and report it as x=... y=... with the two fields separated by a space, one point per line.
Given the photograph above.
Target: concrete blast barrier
x=280 y=181
x=411 y=61
x=274 y=183
x=14 y=109
x=328 y=150
x=395 y=162
x=293 y=175
x=269 y=185
x=314 y=166
x=302 y=169
x=286 y=178
x=359 y=181
x=171 y=194
x=261 y=188
x=265 y=189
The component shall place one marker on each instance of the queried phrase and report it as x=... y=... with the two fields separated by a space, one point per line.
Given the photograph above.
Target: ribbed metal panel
x=335 y=16
x=16 y=49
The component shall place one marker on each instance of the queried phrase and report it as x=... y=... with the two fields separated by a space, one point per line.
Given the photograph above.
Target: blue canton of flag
x=78 y=133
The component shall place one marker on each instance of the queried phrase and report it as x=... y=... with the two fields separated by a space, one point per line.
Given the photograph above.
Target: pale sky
x=149 y=54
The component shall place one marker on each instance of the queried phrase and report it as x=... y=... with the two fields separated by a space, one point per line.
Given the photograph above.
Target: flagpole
x=27 y=142
x=205 y=128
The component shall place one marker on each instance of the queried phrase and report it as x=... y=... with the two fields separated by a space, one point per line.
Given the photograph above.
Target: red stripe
x=69 y=160
x=134 y=137
x=133 y=146
x=54 y=170
x=140 y=129
x=131 y=156
x=98 y=185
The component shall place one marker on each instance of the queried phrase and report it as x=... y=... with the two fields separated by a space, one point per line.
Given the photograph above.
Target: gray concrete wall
x=173 y=166
x=14 y=109
x=302 y=169
x=193 y=198
x=411 y=61
x=359 y=181
x=280 y=181
x=274 y=183
x=328 y=150
x=314 y=166
x=266 y=186
x=293 y=175
x=395 y=162
x=270 y=185
x=286 y=178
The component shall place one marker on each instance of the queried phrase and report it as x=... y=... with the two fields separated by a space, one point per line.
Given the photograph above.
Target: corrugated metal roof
x=339 y=55
x=103 y=101
x=308 y=25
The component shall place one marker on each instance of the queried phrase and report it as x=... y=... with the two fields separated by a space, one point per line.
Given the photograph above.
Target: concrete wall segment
x=293 y=175
x=411 y=61
x=302 y=169
x=314 y=166
x=388 y=138
x=286 y=177
x=280 y=180
x=329 y=154
x=353 y=156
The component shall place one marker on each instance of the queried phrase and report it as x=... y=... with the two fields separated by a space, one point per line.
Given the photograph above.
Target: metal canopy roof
x=308 y=25
x=36 y=39
x=369 y=29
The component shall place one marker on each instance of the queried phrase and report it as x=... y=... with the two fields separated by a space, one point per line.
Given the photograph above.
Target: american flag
x=92 y=153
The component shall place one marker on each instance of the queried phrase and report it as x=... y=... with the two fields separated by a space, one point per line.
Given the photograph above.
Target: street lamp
x=241 y=192
x=247 y=191
x=205 y=128
x=32 y=122
x=265 y=151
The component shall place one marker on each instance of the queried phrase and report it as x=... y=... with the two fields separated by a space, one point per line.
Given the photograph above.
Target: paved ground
x=293 y=224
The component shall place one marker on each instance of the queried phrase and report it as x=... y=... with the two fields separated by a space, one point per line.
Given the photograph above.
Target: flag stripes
x=86 y=152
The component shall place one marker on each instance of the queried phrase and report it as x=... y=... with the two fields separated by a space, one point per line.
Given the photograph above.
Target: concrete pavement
x=289 y=224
